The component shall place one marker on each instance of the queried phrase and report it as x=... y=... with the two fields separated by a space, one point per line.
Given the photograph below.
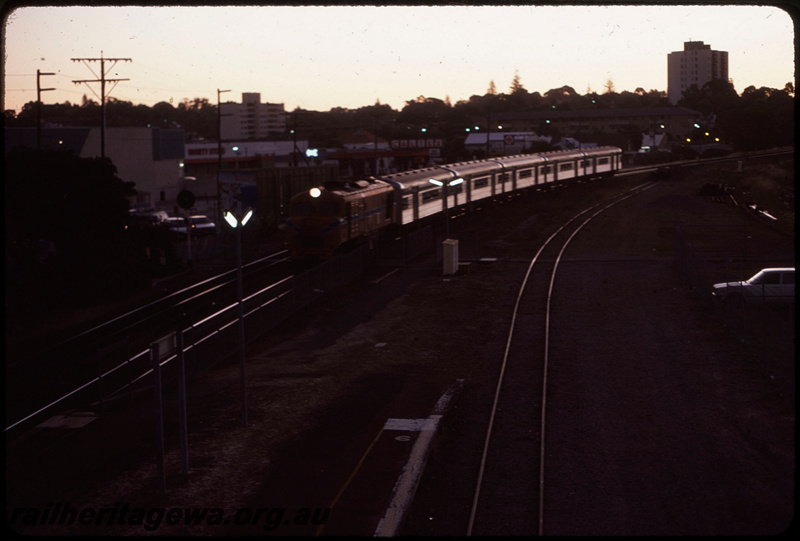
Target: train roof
x=471 y=167
x=443 y=173
x=353 y=186
x=416 y=177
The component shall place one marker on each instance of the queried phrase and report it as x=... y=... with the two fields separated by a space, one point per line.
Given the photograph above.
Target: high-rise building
x=251 y=119
x=695 y=65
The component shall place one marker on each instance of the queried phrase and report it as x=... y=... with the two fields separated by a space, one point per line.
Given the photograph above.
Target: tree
x=716 y=95
x=65 y=225
x=609 y=86
x=762 y=118
x=492 y=91
x=561 y=92
x=516 y=85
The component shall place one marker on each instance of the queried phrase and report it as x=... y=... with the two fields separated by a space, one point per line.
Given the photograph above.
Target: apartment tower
x=251 y=119
x=695 y=65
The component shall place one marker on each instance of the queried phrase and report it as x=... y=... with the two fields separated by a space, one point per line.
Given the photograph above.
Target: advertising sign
x=238 y=190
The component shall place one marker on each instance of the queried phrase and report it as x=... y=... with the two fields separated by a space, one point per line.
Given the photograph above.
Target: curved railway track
x=506 y=490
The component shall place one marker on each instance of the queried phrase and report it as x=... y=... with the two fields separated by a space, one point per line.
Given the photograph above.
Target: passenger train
x=324 y=219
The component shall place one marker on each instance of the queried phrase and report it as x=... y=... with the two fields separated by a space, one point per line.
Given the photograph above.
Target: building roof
x=358 y=137
x=554 y=114
x=500 y=136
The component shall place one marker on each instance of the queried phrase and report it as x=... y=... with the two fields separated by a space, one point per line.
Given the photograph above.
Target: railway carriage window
x=602 y=161
x=585 y=163
x=565 y=167
x=546 y=170
x=527 y=173
x=503 y=177
x=430 y=195
x=481 y=182
x=407 y=202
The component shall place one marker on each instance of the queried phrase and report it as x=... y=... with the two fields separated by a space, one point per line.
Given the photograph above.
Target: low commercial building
x=151 y=158
x=675 y=122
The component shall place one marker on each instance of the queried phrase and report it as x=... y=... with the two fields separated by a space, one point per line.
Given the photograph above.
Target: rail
x=211 y=339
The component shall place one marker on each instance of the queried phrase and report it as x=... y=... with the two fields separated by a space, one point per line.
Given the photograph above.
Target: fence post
x=182 y=403
x=158 y=418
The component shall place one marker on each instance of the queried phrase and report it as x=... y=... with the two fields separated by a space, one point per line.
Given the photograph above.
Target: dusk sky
x=318 y=57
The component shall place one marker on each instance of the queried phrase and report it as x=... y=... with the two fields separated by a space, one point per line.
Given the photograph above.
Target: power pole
x=39 y=91
x=102 y=80
x=220 y=212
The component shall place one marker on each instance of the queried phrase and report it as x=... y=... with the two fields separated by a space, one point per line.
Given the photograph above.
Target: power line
x=102 y=80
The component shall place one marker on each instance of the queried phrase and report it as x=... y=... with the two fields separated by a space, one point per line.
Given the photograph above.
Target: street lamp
x=454 y=182
x=237 y=223
x=219 y=149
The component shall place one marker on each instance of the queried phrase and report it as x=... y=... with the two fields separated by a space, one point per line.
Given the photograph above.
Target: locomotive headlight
x=315 y=192
x=456 y=182
x=436 y=182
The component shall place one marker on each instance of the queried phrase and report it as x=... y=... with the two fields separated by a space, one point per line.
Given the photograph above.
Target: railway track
x=509 y=495
x=47 y=377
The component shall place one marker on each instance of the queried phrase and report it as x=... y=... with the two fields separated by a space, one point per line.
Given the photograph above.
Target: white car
x=202 y=225
x=773 y=285
x=177 y=226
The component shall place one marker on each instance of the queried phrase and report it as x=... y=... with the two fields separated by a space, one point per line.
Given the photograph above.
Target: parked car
x=202 y=225
x=177 y=226
x=773 y=285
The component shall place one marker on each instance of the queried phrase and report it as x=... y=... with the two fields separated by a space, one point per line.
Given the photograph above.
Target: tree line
x=758 y=118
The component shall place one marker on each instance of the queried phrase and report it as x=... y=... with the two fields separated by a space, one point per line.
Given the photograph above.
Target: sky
x=321 y=57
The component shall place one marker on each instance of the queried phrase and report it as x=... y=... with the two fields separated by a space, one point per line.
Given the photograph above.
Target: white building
x=506 y=143
x=251 y=119
x=697 y=64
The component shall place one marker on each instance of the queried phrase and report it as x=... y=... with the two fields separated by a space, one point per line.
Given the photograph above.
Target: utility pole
x=294 y=136
x=220 y=212
x=296 y=150
x=39 y=91
x=102 y=80
x=488 y=133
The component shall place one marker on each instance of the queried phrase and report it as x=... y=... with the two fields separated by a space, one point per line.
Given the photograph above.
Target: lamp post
x=237 y=223
x=454 y=182
x=219 y=149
